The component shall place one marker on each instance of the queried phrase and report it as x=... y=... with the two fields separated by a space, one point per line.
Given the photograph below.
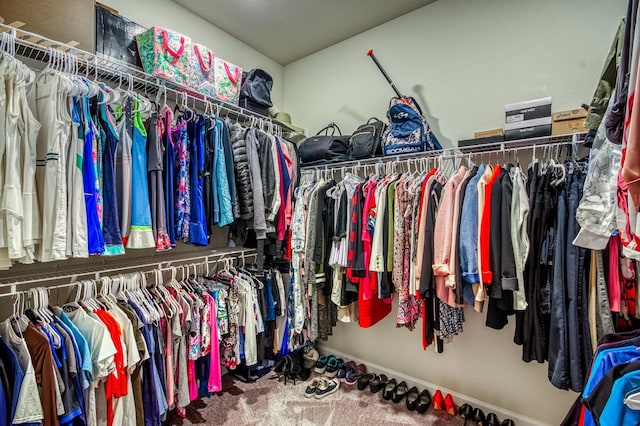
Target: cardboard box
x=528 y=132
x=527 y=110
x=569 y=114
x=543 y=121
x=489 y=133
x=571 y=121
x=473 y=144
x=59 y=20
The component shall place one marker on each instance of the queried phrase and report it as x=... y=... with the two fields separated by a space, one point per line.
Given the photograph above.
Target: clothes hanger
x=154 y=309
x=18 y=320
x=135 y=296
x=104 y=295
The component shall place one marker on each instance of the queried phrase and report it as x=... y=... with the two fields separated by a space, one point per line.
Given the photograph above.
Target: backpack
x=255 y=92
x=408 y=130
x=366 y=141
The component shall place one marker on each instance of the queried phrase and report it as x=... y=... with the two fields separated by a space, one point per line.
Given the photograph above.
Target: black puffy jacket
x=241 y=166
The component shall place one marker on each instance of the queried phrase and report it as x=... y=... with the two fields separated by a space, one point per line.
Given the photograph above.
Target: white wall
x=168 y=14
x=463 y=60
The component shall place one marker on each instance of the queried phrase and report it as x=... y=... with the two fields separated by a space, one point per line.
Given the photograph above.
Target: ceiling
x=287 y=30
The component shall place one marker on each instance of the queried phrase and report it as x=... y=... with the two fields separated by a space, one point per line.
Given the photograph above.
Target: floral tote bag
x=228 y=78
x=202 y=70
x=165 y=54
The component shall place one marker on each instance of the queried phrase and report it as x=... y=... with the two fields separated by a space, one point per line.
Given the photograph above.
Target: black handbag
x=116 y=37
x=366 y=141
x=325 y=148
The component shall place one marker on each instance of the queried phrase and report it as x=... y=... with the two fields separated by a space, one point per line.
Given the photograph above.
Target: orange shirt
x=116 y=383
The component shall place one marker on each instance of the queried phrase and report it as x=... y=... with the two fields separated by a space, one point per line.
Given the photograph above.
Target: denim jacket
x=469 y=231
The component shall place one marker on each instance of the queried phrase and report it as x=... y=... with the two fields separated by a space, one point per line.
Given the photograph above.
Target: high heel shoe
x=492 y=420
x=400 y=392
x=508 y=422
x=377 y=383
x=450 y=406
x=466 y=412
x=389 y=389
x=438 y=402
x=412 y=398
x=478 y=417
x=424 y=401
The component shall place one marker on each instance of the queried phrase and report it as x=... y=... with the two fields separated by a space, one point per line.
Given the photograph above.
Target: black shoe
x=424 y=402
x=389 y=389
x=508 y=422
x=492 y=420
x=412 y=398
x=377 y=383
x=363 y=381
x=478 y=417
x=400 y=392
x=466 y=412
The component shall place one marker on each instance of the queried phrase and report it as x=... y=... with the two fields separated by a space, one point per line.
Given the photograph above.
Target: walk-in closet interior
x=319 y=213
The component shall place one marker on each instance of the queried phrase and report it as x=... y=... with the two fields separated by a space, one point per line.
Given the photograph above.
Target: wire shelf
x=479 y=149
x=37 y=48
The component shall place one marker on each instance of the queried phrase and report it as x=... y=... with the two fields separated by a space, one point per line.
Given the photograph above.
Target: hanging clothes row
x=129 y=353
x=495 y=238
x=88 y=170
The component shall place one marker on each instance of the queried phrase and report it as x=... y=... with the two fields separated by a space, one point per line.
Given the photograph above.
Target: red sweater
x=485 y=229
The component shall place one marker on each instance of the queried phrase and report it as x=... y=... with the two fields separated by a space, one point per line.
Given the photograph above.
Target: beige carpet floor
x=270 y=402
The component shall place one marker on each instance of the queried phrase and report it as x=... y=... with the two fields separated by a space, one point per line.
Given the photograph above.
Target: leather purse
x=325 y=148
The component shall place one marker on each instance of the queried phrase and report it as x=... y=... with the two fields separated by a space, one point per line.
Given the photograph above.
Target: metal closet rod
x=162 y=265
x=458 y=152
x=36 y=47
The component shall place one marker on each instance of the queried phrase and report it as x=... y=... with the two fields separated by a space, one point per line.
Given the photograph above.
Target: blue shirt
x=615 y=411
x=3 y=407
x=469 y=231
x=83 y=346
x=221 y=181
x=159 y=399
x=15 y=373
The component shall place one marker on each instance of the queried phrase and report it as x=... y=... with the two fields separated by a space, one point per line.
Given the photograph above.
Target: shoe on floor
x=344 y=369
x=333 y=365
x=321 y=364
x=311 y=388
x=326 y=387
x=311 y=358
x=353 y=376
x=363 y=381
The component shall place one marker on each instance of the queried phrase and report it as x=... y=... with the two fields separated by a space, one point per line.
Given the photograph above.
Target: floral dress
x=408 y=305
x=182 y=190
